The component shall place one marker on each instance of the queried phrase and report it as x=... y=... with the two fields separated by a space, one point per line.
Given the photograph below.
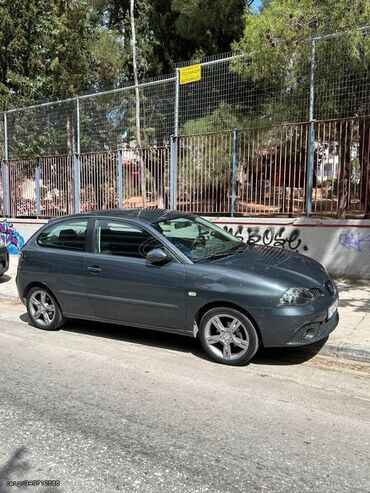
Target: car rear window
x=66 y=235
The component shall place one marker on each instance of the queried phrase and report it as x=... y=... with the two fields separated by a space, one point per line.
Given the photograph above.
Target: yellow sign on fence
x=190 y=74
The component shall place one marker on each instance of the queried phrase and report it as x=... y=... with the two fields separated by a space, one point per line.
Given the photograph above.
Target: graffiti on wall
x=277 y=237
x=358 y=242
x=11 y=238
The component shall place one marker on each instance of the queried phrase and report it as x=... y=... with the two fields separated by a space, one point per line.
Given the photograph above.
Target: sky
x=257 y=4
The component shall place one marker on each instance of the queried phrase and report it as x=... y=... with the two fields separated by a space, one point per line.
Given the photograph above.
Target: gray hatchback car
x=175 y=272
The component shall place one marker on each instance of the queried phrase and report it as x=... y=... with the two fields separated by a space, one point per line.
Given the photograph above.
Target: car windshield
x=197 y=238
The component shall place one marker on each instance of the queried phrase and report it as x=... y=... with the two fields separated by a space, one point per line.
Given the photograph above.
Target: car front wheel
x=228 y=336
x=43 y=309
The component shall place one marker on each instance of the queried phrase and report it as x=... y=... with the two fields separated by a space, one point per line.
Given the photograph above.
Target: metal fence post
x=173 y=148
x=37 y=187
x=177 y=102
x=76 y=162
x=311 y=133
x=76 y=182
x=234 y=170
x=78 y=138
x=120 y=178
x=173 y=172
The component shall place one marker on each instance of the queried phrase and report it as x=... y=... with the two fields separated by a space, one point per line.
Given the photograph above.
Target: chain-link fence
x=42 y=130
x=108 y=120
x=288 y=114
x=324 y=78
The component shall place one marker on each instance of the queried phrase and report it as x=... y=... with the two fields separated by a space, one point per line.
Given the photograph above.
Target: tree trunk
x=344 y=133
x=70 y=136
x=155 y=166
x=158 y=182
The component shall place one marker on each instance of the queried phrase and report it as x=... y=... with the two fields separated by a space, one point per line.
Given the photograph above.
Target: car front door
x=124 y=287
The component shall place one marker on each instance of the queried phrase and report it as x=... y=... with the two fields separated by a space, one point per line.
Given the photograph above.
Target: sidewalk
x=351 y=339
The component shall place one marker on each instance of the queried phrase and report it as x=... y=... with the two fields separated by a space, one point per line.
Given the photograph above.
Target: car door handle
x=94 y=269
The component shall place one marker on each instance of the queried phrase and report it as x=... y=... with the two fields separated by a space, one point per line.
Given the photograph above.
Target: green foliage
x=38 y=143
x=277 y=38
x=207 y=26
x=224 y=117
x=22 y=55
x=265 y=4
x=54 y=49
x=111 y=58
x=208 y=156
x=170 y=31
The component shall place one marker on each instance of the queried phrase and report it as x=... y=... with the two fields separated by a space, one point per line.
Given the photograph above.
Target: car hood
x=276 y=262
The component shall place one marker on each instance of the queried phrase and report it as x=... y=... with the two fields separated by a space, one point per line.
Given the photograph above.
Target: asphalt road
x=105 y=409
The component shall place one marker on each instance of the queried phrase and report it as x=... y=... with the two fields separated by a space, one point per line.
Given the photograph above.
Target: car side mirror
x=157 y=256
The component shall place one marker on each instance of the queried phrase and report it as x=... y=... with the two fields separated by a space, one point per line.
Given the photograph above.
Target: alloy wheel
x=42 y=308
x=226 y=337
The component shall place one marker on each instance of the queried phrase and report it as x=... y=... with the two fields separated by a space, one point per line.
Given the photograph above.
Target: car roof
x=148 y=215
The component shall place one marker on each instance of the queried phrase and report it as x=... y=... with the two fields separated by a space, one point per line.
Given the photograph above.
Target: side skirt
x=168 y=330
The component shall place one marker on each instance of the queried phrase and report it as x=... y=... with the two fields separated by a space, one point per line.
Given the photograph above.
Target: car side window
x=65 y=235
x=123 y=239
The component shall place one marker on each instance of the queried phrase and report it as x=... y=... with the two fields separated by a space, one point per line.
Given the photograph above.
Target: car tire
x=228 y=336
x=43 y=309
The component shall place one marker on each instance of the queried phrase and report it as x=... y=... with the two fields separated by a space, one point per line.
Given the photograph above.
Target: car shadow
x=134 y=335
x=4 y=278
x=288 y=355
x=129 y=334
x=173 y=342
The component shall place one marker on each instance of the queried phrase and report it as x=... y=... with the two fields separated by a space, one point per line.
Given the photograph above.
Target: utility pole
x=137 y=100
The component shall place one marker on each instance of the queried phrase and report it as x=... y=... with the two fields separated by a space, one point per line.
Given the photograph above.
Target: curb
x=339 y=350
x=347 y=351
x=14 y=299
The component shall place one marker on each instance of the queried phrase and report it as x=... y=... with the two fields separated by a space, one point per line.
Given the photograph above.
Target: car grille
x=316 y=291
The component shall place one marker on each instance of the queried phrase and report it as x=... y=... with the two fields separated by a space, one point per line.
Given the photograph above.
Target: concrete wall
x=343 y=246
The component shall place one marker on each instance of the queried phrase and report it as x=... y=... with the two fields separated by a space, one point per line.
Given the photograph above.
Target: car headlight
x=299 y=296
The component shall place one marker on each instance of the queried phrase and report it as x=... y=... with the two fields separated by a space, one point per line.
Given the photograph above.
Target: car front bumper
x=296 y=325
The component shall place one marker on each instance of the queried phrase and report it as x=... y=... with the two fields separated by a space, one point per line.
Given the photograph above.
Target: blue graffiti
x=10 y=237
x=355 y=241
